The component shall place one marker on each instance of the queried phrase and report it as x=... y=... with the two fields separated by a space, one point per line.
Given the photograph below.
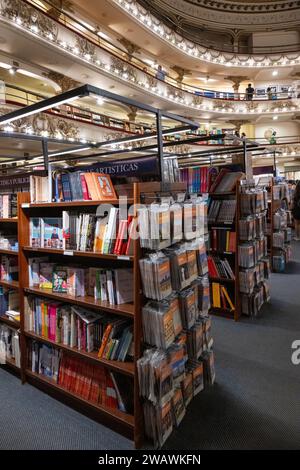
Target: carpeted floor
x=255 y=403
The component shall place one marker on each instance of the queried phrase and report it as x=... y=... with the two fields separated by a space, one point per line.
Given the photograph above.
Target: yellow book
x=216 y=295
x=227 y=297
x=227 y=240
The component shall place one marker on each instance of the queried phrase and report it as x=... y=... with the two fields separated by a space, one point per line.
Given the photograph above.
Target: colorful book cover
x=60 y=276
x=52 y=233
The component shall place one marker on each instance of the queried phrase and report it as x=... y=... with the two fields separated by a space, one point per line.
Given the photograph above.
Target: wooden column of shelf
x=127 y=424
x=227 y=313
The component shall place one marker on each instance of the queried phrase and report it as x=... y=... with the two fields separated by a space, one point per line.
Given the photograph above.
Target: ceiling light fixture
x=275 y=73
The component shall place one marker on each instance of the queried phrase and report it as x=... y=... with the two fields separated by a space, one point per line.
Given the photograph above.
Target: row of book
x=163 y=224
x=281 y=191
x=222 y=211
x=197 y=179
x=72 y=186
x=93 y=383
x=114 y=286
x=8 y=206
x=172 y=269
x=168 y=386
x=164 y=320
x=84 y=232
x=253 y=226
x=221 y=298
x=220 y=267
x=9 y=268
x=9 y=345
x=222 y=240
x=280 y=219
x=252 y=252
x=79 y=328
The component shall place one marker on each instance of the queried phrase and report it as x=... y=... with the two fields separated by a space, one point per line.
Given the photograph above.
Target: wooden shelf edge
x=11 y=284
x=117 y=415
x=126 y=368
x=74 y=203
x=9 y=252
x=10 y=220
x=90 y=254
x=11 y=363
x=123 y=309
x=11 y=323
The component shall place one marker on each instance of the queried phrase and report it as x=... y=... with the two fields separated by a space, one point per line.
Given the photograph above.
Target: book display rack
x=279 y=225
x=254 y=264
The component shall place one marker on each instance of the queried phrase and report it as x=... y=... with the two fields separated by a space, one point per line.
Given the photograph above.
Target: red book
x=120 y=237
x=85 y=191
x=232 y=241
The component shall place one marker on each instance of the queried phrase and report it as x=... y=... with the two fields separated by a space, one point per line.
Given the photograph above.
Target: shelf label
x=25 y=205
x=69 y=253
x=127 y=258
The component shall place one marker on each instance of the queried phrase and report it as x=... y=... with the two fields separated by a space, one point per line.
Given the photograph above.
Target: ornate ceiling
x=192 y=18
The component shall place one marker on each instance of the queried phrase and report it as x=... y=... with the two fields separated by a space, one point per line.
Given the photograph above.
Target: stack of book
x=110 y=285
x=93 y=383
x=72 y=186
x=222 y=240
x=9 y=242
x=9 y=300
x=8 y=205
x=80 y=328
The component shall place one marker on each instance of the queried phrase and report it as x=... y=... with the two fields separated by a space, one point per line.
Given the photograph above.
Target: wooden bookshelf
x=232 y=283
x=129 y=425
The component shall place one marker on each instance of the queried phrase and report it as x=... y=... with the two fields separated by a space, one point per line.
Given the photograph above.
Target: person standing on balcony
x=249 y=92
x=161 y=74
x=269 y=93
x=273 y=138
x=296 y=211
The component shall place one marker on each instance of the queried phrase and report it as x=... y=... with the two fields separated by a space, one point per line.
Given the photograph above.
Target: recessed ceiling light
x=275 y=118
x=274 y=73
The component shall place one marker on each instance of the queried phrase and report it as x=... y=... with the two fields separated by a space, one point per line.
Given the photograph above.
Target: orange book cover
x=104 y=339
x=92 y=188
x=105 y=187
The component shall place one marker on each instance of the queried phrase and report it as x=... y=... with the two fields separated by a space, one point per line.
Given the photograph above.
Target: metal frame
x=87 y=90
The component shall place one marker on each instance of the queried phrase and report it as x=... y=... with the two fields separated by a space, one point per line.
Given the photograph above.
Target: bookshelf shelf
x=119 y=416
x=8 y=252
x=219 y=252
x=118 y=366
x=10 y=284
x=69 y=204
x=12 y=323
x=126 y=310
x=12 y=363
x=9 y=221
x=84 y=254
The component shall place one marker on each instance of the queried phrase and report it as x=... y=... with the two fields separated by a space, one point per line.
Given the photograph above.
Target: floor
x=254 y=404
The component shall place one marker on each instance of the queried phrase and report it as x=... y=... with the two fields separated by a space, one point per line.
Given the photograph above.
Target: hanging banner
x=145 y=166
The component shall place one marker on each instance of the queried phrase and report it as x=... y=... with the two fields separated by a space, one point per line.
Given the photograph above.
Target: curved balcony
x=266 y=58
x=92 y=34
x=63 y=37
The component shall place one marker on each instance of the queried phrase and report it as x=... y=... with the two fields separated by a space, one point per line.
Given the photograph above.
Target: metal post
x=274 y=164
x=47 y=166
x=160 y=146
x=245 y=156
